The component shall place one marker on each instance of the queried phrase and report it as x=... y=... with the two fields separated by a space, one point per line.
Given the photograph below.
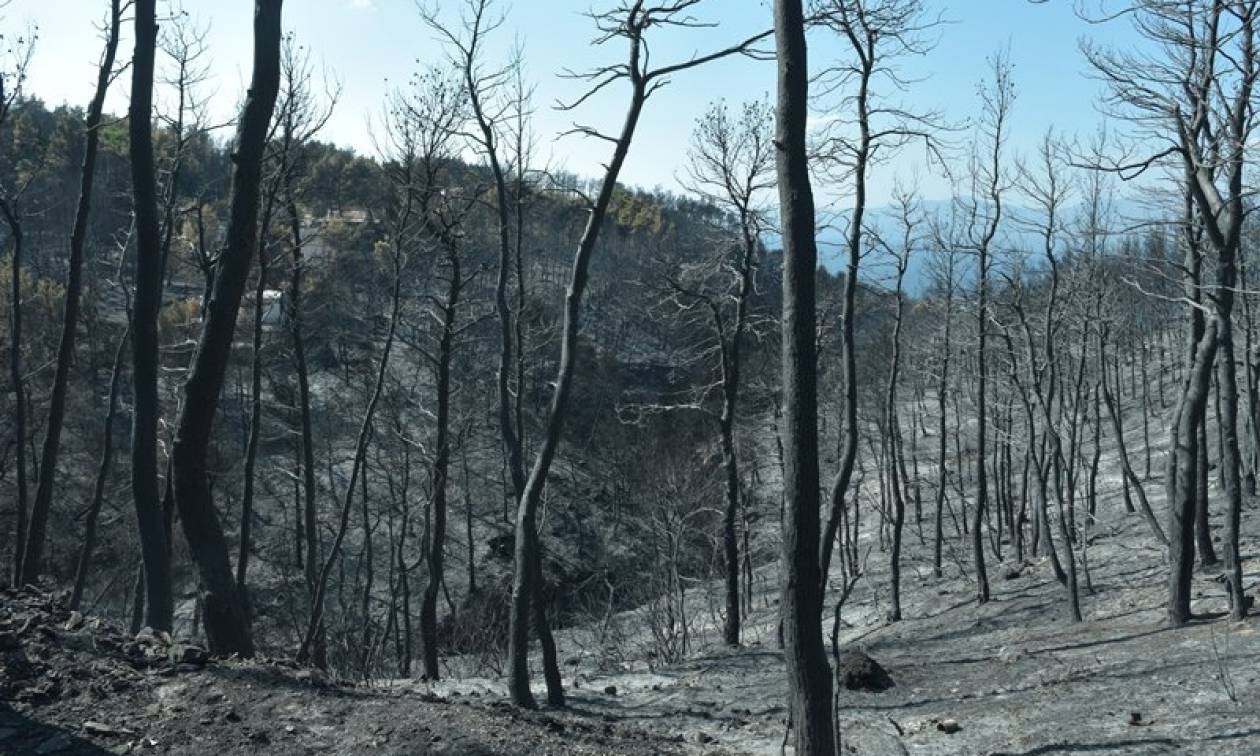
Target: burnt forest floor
x=1012 y=676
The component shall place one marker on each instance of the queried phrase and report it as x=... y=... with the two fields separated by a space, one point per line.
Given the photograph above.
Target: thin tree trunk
x=102 y=477
x=314 y=627
x=1202 y=535
x=154 y=540
x=310 y=522
x=441 y=469
x=32 y=561
x=255 y=413
x=942 y=389
x=19 y=390
x=526 y=534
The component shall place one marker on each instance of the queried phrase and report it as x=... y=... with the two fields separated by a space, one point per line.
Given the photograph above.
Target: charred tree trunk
x=1183 y=477
x=808 y=671
x=310 y=522
x=441 y=469
x=225 y=616
x=255 y=414
x=1202 y=533
x=102 y=477
x=1117 y=425
x=154 y=540
x=19 y=389
x=526 y=571
x=731 y=366
x=32 y=561
x=942 y=447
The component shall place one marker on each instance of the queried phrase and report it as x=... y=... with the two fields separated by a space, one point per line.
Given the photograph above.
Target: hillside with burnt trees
x=443 y=448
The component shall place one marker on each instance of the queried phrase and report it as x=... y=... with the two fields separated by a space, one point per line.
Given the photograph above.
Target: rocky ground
x=71 y=686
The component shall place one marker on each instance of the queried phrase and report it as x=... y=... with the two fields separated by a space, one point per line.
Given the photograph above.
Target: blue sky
x=368 y=43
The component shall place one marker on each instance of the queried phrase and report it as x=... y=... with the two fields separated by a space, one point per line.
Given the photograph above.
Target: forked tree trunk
x=894 y=434
x=1135 y=483
x=527 y=559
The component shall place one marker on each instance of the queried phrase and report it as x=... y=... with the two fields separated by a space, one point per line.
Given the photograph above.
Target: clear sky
x=368 y=43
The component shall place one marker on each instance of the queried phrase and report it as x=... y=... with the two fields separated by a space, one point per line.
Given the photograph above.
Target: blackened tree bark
x=986 y=213
x=485 y=90
x=877 y=34
x=526 y=534
x=154 y=543
x=942 y=390
x=223 y=611
x=446 y=314
x=809 y=673
x=1182 y=486
x=1225 y=218
x=12 y=216
x=42 y=503
x=1197 y=100
x=908 y=212
x=310 y=492
x=629 y=21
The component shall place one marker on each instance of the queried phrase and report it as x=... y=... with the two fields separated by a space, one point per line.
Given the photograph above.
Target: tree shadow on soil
x=19 y=734
x=1103 y=746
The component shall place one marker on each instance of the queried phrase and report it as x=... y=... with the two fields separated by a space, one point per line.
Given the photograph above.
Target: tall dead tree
x=445 y=226
x=947 y=250
x=42 y=504
x=731 y=164
x=1188 y=96
x=223 y=610
x=908 y=212
x=13 y=72
x=629 y=21
x=497 y=101
x=876 y=35
x=983 y=210
x=808 y=671
x=154 y=542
